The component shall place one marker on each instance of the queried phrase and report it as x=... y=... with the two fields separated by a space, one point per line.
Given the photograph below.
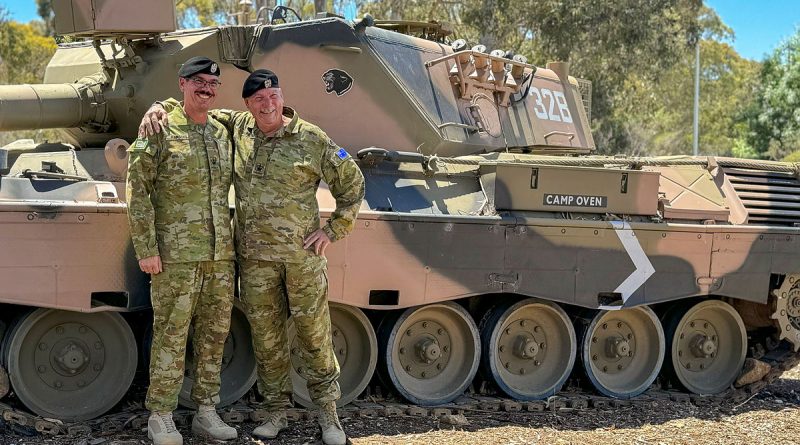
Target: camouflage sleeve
x=346 y=183
x=142 y=167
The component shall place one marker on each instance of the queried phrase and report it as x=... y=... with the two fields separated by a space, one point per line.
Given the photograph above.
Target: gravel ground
x=771 y=417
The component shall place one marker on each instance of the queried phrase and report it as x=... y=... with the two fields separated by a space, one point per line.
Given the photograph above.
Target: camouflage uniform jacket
x=177 y=191
x=276 y=181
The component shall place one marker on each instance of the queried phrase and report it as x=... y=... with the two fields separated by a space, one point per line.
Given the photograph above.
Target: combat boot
x=332 y=433
x=208 y=424
x=276 y=421
x=162 y=431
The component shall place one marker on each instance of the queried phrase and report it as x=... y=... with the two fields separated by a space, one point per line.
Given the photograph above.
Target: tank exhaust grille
x=770 y=197
x=585 y=88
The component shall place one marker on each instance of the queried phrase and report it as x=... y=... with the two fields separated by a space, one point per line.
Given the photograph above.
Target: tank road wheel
x=787 y=310
x=622 y=351
x=528 y=348
x=356 y=348
x=69 y=365
x=238 y=364
x=707 y=342
x=430 y=353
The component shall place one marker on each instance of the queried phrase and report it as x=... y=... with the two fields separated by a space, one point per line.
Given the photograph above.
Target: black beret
x=257 y=80
x=199 y=65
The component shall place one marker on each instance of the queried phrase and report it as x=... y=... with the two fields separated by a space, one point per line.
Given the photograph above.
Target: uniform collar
x=291 y=128
x=178 y=116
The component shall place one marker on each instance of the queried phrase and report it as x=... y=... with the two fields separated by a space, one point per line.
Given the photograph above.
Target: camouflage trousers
x=270 y=291
x=199 y=292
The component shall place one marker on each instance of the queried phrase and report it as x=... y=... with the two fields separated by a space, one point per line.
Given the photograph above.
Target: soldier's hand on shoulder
x=153 y=121
x=151 y=265
x=318 y=241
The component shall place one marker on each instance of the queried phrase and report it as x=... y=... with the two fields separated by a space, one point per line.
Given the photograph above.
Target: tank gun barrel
x=67 y=105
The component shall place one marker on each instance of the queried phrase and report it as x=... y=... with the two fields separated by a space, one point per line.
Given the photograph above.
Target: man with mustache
x=177 y=191
x=280 y=160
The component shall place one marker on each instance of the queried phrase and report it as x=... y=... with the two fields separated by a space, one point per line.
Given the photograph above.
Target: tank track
x=780 y=357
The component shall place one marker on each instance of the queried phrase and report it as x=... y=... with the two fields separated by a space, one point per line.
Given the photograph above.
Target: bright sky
x=760 y=25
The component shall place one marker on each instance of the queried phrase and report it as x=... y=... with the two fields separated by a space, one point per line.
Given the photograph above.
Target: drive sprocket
x=787 y=310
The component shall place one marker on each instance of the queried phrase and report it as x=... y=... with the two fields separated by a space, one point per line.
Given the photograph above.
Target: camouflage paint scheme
x=721 y=227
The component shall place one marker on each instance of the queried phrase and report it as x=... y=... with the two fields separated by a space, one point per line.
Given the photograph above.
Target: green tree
x=773 y=121
x=657 y=116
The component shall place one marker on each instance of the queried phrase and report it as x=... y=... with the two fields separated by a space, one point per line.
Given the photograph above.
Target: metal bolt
x=42 y=346
x=705 y=325
x=439 y=366
x=537 y=329
x=594 y=339
x=507 y=365
x=691 y=324
x=702 y=366
x=619 y=324
x=630 y=336
x=680 y=353
x=58 y=384
x=424 y=324
x=508 y=331
x=336 y=333
x=408 y=332
x=445 y=349
x=97 y=367
x=408 y=368
x=41 y=369
x=688 y=366
x=522 y=323
x=536 y=363
x=440 y=331
x=619 y=367
x=605 y=325
x=402 y=350
x=681 y=337
x=502 y=348
x=522 y=371
x=594 y=357
x=542 y=345
x=341 y=351
x=605 y=368
x=423 y=374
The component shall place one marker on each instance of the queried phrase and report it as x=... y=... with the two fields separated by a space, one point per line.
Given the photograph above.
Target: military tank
x=493 y=245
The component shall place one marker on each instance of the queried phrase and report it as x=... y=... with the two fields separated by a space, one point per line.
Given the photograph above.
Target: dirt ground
x=771 y=417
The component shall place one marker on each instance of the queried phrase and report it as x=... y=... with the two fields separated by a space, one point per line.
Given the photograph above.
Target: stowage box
x=106 y=17
x=564 y=189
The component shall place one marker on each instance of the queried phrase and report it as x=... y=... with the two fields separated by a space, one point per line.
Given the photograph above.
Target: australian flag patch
x=342 y=153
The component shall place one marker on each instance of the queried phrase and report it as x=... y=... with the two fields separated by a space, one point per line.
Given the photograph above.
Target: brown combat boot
x=208 y=424
x=332 y=432
x=162 y=431
x=276 y=421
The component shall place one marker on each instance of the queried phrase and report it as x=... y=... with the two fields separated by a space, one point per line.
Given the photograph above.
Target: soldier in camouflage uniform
x=279 y=161
x=177 y=190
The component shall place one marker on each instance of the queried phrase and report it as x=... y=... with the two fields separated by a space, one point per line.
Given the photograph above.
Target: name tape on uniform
x=575 y=200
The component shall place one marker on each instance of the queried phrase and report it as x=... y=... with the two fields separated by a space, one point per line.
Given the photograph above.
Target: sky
x=759 y=25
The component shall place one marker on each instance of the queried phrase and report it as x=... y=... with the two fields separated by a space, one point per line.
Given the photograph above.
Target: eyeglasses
x=198 y=82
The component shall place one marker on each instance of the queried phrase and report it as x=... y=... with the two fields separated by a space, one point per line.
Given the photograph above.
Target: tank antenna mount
x=364 y=23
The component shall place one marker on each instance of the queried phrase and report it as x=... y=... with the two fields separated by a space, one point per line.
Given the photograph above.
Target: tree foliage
x=773 y=120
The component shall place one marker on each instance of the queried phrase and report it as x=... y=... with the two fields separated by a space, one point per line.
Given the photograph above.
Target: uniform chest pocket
x=294 y=170
x=178 y=157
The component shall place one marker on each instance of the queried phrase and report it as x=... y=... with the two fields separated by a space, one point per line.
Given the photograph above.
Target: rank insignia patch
x=342 y=153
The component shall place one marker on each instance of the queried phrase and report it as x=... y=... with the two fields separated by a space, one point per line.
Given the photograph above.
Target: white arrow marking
x=643 y=266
